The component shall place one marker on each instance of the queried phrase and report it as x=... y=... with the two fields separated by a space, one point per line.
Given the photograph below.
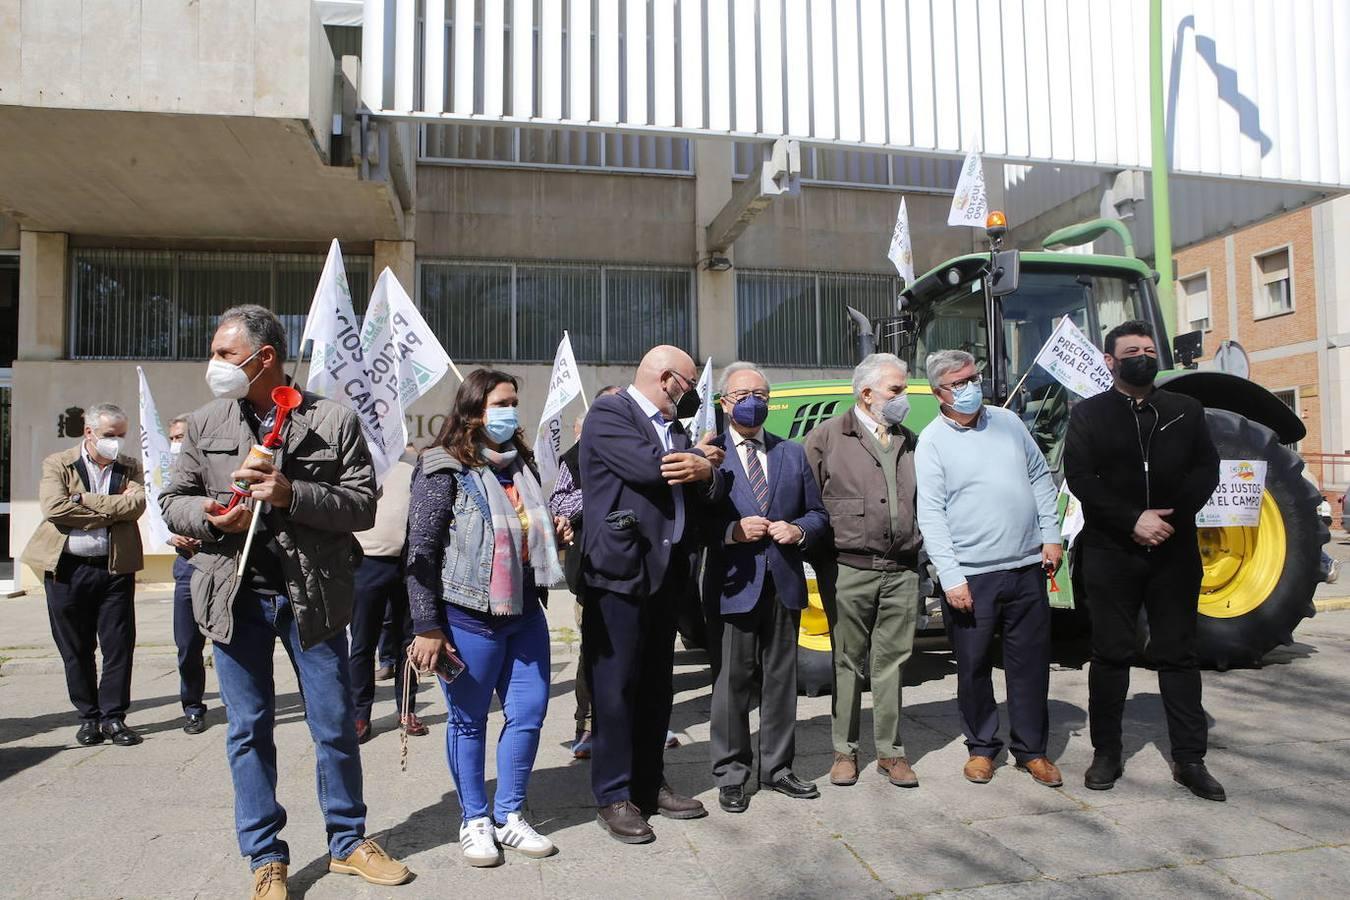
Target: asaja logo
x=1244 y=471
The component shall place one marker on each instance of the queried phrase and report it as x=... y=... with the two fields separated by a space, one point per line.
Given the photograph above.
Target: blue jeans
x=513 y=662
x=244 y=671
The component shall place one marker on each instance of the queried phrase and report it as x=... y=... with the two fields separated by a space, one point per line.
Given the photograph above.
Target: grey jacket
x=333 y=495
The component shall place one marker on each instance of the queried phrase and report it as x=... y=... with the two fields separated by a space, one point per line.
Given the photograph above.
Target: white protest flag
x=1073 y=516
x=1074 y=361
x=564 y=386
x=337 y=365
x=901 y=252
x=155 y=459
x=403 y=360
x=970 y=203
x=705 y=420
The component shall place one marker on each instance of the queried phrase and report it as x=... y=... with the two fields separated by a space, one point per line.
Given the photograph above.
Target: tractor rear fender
x=1220 y=390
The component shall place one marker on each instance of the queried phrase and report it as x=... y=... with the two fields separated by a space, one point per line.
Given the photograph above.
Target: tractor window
x=1095 y=303
x=953 y=321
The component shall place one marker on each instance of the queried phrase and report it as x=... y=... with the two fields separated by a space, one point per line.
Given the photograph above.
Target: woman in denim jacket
x=482 y=547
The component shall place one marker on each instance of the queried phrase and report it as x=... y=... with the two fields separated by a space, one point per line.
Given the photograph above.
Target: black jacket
x=1120 y=460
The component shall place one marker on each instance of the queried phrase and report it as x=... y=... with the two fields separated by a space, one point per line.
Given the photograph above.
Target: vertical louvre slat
x=743 y=62
x=822 y=69
x=691 y=64
x=921 y=73
x=494 y=58
x=846 y=48
x=798 y=30
x=872 y=30
x=897 y=74
x=372 y=54
x=433 y=44
x=1038 y=79
x=522 y=59
x=771 y=66
x=579 y=60
x=969 y=58
x=719 y=66
x=608 y=66
x=993 y=125
x=946 y=97
x=405 y=39
x=551 y=61
x=663 y=62
x=635 y=68
x=462 y=104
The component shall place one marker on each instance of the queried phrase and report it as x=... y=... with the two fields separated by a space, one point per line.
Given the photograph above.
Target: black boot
x=1197 y=779
x=1102 y=774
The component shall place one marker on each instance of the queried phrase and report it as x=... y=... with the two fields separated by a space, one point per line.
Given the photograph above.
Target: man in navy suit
x=755 y=581
x=645 y=486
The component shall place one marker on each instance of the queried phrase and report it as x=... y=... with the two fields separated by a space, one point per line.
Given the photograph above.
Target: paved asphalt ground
x=155 y=820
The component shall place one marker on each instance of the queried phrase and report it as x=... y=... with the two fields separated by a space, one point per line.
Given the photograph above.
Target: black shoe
x=1102 y=774
x=89 y=734
x=1197 y=779
x=195 y=724
x=733 y=799
x=118 y=732
x=790 y=785
x=384 y=673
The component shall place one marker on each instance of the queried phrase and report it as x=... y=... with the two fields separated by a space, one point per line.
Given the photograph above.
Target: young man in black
x=1141 y=462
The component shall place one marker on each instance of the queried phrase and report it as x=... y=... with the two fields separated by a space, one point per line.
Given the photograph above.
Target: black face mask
x=688 y=406
x=1138 y=371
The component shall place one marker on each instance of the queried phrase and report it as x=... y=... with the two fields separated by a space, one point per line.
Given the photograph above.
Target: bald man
x=645 y=485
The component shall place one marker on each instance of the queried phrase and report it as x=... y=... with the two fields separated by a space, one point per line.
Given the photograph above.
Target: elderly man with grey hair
x=88 y=550
x=869 y=580
x=987 y=507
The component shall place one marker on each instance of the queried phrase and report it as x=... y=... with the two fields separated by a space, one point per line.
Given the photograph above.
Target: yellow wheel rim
x=814 y=633
x=1241 y=565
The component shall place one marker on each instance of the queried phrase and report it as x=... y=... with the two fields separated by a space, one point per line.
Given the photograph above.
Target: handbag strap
x=409 y=673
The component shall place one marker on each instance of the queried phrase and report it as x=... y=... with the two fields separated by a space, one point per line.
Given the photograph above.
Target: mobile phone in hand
x=448 y=666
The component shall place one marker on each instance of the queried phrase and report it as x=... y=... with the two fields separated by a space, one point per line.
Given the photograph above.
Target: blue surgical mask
x=967 y=399
x=750 y=411
x=501 y=423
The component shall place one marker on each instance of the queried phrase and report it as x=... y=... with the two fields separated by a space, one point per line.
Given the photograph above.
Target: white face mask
x=108 y=448
x=228 y=381
x=176 y=447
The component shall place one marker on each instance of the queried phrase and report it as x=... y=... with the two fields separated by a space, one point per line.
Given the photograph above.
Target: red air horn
x=285 y=399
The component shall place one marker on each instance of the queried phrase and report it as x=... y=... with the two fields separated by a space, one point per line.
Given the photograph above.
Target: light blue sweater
x=987 y=501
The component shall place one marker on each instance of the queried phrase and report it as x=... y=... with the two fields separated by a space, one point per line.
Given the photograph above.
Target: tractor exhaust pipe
x=865 y=340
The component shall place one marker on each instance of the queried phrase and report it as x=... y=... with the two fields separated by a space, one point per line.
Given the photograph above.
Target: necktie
x=884 y=437
x=759 y=485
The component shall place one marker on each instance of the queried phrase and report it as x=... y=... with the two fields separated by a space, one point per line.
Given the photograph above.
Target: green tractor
x=1002 y=307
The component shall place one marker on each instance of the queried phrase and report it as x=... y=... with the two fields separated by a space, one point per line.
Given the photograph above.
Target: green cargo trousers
x=879 y=610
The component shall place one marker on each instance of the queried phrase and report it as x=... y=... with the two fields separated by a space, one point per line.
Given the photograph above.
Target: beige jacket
x=116 y=511
x=391 y=519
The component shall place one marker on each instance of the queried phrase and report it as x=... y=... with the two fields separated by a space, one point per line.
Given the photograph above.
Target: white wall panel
x=1258 y=89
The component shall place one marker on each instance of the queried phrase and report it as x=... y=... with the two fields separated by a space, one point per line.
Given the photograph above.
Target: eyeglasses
x=957 y=385
x=738 y=396
x=684 y=378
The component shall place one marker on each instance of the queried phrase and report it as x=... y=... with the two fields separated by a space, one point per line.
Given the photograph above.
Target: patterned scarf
x=522 y=532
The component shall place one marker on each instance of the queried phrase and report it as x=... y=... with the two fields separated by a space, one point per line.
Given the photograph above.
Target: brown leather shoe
x=1044 y=771
x=269 y=882
x=845 y=769
x=677 y=806
x=624 y=823
x=415 y=726
x=979 y=770
x=371 y=862
x=897 y=769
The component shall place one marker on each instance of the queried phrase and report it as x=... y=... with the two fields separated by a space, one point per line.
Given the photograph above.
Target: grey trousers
x=755 y=657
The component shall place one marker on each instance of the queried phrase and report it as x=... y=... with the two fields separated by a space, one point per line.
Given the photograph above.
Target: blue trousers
x=513 y=662
x=244 y=670
x=1014 y=602
x=379 y=593
x=190 y=641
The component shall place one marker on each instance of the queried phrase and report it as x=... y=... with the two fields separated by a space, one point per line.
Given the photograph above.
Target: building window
x=1290 y=399
x=861 y=168
x=1274 y=288
x=799 y=318
x=553 y=148
x=163 y=304
x=1195 y=291
x=500 y=311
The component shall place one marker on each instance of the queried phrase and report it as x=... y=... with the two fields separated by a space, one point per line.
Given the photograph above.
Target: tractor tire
x=1259 y=582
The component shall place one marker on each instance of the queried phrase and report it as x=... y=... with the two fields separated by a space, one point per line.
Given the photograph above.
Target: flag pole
x=295 y=366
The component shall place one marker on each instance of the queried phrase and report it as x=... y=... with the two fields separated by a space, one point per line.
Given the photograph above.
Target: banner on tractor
x=901 y=251
x=1237 y=499
x=1074 y=361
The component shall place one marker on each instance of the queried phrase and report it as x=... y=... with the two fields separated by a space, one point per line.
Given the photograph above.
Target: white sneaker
x=478 y=844
x=519 y=835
